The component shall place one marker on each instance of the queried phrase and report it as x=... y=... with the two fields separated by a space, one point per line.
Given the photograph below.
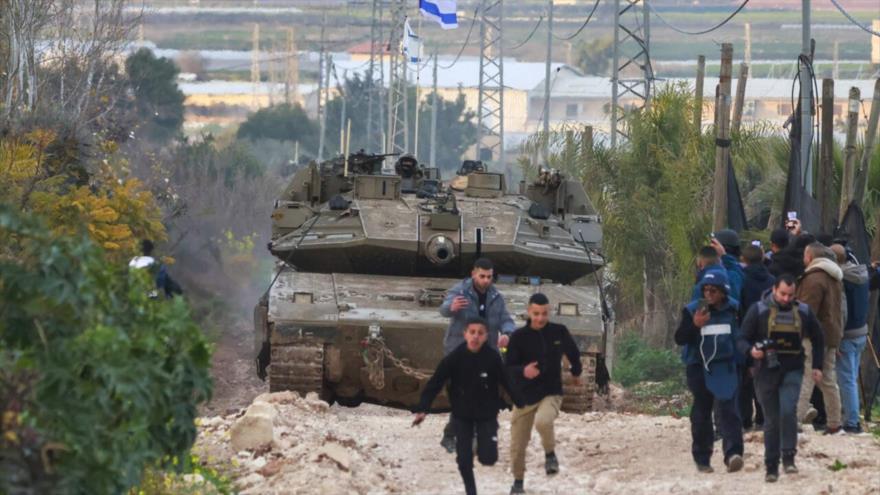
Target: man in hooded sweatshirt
x=855 y=337
x=709 y=329
x=726 y=243
x=821 y=289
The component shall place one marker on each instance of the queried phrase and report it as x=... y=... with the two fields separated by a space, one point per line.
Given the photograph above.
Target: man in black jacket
x=474 y=372
x=772 y=334
x=534 y=356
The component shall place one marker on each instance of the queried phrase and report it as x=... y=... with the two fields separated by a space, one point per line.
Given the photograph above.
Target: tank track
x=578 y=399
x=298 y=366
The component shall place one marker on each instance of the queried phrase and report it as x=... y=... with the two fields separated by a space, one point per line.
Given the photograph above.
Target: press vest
x=785 y=329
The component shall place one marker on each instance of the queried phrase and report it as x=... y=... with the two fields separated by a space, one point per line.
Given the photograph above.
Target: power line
x=590 y=16
x=466 y=41
x=852 y=20
x=529 y=37
x=705 y=31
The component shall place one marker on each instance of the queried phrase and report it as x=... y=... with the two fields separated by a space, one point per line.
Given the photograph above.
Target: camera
x=771 y=358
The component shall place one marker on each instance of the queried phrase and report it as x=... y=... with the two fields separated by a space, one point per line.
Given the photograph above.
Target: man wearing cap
x=726 y=243
x=709 y=330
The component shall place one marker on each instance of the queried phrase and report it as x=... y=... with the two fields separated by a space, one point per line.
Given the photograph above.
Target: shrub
x=638 y=362
x=97 y=381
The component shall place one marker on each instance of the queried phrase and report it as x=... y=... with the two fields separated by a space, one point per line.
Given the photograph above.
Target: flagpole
x=418 y=86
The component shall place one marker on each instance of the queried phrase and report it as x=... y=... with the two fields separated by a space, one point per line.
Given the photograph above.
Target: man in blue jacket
x=855 y=335
x=726 y=243
x=474 y=297
x=709 y=330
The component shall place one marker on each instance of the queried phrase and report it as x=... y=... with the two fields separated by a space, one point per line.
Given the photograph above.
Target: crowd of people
x=770 y=341
x=773 y=341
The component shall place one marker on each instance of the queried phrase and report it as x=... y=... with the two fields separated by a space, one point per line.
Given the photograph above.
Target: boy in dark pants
x=474 y=372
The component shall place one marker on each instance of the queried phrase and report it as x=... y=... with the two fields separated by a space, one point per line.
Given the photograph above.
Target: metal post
x=547 y=80
x=806 y=100
x=374 y=90
x=698 y=104
x=328 y=62
x=722 y=139
x=397 y=136
x=418 y=91
x=433 y=159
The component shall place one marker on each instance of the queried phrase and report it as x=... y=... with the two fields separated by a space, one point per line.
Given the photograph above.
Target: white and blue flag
x=442 y=11
x=412 y=44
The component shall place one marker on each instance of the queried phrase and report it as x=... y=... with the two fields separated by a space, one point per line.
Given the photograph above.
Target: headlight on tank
x=440 y=250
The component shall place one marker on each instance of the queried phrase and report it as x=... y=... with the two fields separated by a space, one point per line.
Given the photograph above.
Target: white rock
x=251 y=431
x=336 y=453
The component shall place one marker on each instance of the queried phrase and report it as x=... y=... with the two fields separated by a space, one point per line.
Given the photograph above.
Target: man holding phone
x=709 y=331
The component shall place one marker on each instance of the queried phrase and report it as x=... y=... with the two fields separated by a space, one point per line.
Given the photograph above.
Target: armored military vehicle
x=366 y=258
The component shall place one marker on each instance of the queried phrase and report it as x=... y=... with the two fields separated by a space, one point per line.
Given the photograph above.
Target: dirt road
x=372 y=449
x=318 y=449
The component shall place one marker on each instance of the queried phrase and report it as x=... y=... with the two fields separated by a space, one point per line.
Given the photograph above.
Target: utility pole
x=322 y=63
x=490 y=102
x=255 y=66
x=868 y=151
x=698 y=104
x=806 y=99
x=397 y=134
x=291 y=76
x=632 y=35
x=826 y=158
x=849 y=153
x=433 y=158
x=547 y=80
x=375 y=76
x=722 y=139
x=273 y=74
x=740 y=97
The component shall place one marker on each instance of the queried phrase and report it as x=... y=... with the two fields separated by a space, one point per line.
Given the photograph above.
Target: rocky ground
x=285 y=444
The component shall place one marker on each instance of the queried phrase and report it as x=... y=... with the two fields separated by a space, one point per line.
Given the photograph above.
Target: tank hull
x=354 y=338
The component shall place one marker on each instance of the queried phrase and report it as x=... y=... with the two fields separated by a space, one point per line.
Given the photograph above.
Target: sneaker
x=448 y=443
x=771 y=477
x=854 y=430
x=810 y=416
x=735 y=463
x=517 y=487
x=833 y=431
x=551 y=464
x=705 y=468
x=789 y=467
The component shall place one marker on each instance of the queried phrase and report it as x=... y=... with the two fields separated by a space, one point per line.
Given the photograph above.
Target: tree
x=158 y=101
x=97 y=380
x=283 y=122
x=594 y=57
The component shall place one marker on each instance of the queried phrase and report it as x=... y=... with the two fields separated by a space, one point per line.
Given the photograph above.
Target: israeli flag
x=412 y=44
x=442 y=11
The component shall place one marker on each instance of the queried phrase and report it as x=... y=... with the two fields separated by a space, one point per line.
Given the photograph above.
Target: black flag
x=796 y=197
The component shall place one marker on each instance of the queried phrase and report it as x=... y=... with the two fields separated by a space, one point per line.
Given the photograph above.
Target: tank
x=365 y=259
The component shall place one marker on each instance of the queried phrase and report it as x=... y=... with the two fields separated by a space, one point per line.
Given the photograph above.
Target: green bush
x=97 y=381
x=637 y=362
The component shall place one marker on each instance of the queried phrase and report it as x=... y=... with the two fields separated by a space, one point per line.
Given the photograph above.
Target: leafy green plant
x=837 y=466
x=638 y=362
x=98 y=380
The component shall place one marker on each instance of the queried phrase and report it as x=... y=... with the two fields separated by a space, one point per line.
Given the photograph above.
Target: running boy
x=474 y=372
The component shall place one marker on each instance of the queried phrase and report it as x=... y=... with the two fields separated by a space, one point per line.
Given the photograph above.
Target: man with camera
x=773 y=331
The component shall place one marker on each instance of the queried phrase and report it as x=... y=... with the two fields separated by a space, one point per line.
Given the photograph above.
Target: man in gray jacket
x=475 y=296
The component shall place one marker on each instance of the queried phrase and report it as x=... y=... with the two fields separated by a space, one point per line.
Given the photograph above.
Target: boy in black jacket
x=534 y=356
x=474 y=372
